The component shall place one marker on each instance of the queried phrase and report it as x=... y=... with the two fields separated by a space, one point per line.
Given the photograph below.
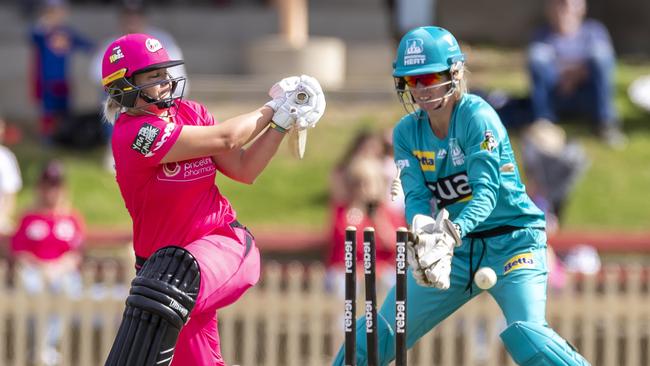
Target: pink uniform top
x=47 y=235
x=173 y=203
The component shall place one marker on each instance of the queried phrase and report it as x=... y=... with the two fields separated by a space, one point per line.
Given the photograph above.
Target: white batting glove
x=283 y=87
x=279 y=93
x=311 y=108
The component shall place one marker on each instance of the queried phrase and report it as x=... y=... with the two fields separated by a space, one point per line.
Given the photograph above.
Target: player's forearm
x=478 y=209
x=199 y=141
x=257 y=157
x=246 y=127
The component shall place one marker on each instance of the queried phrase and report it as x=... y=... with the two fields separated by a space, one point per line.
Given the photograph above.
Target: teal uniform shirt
x=472 y=172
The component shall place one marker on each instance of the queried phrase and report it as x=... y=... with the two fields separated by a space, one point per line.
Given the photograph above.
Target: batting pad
x=161 y=298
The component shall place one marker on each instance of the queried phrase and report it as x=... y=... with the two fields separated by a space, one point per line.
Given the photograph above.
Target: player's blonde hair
x=111 y=110
x=460 y=73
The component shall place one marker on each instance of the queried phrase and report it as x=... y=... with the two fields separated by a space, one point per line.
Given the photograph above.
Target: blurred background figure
x=53 y=44
x=404 y=15
x=132 y=18
x=571 y=63
x=10 y=183
x=360 y=198
x=390 y=171
x=46 y=250
x=553 y=166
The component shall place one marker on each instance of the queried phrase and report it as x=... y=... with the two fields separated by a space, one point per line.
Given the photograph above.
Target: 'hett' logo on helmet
x=153 y=44
x=414 y=50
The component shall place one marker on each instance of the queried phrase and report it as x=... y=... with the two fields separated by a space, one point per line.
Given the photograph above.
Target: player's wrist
x=275 y=126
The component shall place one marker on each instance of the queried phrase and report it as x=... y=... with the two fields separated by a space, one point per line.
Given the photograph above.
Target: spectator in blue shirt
x=571 y=62
x=53 y=43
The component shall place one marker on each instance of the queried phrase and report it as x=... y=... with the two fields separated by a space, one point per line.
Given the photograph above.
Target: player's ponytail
x=111 y=110
x=461 y=73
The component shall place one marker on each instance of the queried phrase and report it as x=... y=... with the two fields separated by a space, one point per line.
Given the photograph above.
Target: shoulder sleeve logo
x=144 y=138
x=489 y=142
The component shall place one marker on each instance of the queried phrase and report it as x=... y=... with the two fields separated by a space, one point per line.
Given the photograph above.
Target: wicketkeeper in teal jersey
x=457 y=164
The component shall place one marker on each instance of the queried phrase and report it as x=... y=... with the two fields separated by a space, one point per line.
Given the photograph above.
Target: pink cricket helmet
x=128 y=55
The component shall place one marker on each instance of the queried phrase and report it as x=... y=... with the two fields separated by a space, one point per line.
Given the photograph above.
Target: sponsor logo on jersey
x=427 y=160
x=145 y=138
x=171 y=169
x=518 y=262
x=168 y=132
x=441 y=154
x=116 y=54
x=457 y=155
x=451 y=189
x=188 y=170
x=401 y=164
x=414 y=50
x=489 y=142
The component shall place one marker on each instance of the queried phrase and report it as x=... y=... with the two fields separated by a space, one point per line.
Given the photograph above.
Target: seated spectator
x=553 y=166
x=10 y=183
x=46 y=249
x=571 y=62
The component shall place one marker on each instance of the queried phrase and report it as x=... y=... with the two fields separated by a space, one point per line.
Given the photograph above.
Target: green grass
x=293 y=193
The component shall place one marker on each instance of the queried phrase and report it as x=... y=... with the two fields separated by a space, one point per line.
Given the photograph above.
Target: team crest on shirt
x=144 y=139
x=489 y=142
x=457 y=155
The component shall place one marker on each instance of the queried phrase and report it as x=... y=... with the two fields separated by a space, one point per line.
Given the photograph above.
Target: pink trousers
x=228 y=268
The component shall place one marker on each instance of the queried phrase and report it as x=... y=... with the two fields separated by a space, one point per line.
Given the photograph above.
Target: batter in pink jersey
x=192 y=255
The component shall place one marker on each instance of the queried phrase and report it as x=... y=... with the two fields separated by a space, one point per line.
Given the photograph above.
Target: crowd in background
x=570 y=64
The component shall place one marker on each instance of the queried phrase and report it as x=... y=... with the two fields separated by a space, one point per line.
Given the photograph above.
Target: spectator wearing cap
x=46 y=248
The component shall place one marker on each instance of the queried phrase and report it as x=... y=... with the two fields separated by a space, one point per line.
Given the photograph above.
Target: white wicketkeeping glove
x=434 y=247
x=419 y=221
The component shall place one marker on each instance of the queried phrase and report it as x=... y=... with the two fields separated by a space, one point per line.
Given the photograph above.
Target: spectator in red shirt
x=46 y=249
x=360 y=198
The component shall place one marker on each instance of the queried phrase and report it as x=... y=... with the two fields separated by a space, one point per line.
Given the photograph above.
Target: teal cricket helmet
x=426 y=50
